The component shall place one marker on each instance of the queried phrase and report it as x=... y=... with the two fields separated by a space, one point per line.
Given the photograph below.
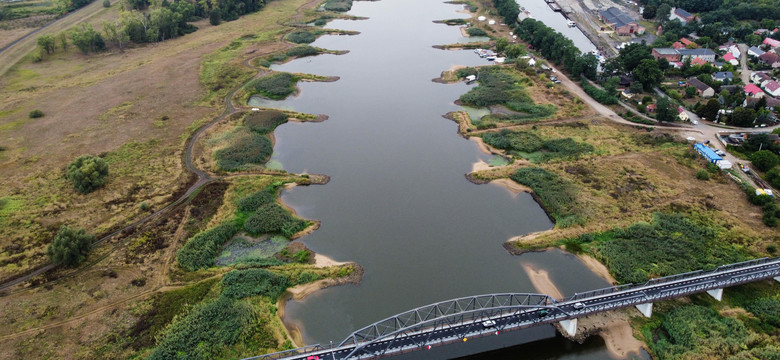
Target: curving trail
x=203 y=177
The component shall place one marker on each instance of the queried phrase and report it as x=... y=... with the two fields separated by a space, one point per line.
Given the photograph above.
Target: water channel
x=398 y=202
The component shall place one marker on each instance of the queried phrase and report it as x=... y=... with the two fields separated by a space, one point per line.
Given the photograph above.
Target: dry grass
x=110 y=103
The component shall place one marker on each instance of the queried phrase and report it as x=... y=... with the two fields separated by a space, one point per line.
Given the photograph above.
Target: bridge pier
x=570 y=326
x=717 y=294
x=777 y=279
x=645 y=309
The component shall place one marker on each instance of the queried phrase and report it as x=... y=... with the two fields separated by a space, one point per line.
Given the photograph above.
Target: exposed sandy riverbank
x=512 y=186
x=300 y=292
x=612 y=326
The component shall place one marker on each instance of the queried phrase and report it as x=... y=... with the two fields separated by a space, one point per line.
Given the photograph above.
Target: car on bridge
x=488 y=324
x=579 y=305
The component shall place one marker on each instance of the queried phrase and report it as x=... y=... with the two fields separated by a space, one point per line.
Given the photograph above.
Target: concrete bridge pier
x=777 y=279
x=570 y=326
x=717 y=294
x=645 y=309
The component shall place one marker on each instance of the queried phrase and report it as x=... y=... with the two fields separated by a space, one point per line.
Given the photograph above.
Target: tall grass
x=557 y=196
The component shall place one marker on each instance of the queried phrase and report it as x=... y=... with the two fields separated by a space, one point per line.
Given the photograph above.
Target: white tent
x=724 y=164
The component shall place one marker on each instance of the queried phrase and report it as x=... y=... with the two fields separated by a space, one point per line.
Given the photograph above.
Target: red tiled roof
x=678 y=45
x=752 y=89
x=772 y=86
x=729 y=57
x=771 y=42
x=698 y=61
x=686 y=41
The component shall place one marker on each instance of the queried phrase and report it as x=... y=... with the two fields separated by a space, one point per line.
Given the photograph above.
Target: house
x=681 y=114
x=682 y=15
x=652 y=108
x=678 y=45
x=704 y=54
x=771 y=103
x=626 y=94
x=723 y=75
x=755 y=52
x=760 y=78
x=670 y=54
x=753 y=91
x=688 y=43
x=731 y=59
x=771 y=42
x=698 y=61
x=772 y=88
x=732 y=89
x=770 y=59
x=702 y=89
x=620 y=22
x=708 y=154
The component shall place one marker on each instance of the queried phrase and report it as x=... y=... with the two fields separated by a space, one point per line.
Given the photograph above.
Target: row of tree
x=557 y=48
x=508 y=9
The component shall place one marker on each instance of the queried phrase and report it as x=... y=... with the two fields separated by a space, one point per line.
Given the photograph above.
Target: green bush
x=35 y=114
x=467 y=71
x=672 y=244
x=202 y=249
x=773 y=176
x=87 y=173
x=702 y=175
x=277 y=85
x=598 y=94
x=239 y=284
x=473 y=31
x=766 y=309
x=264 y=121
x=300 y=37
x=272 y=218
x=338 y=5
x=565 y=148
x=254 y=201
x=247 y=147
x=106 y=3
x=556 y=195
x=206 y=330
x=70 y=247
x=764 y=160
x=303 y=51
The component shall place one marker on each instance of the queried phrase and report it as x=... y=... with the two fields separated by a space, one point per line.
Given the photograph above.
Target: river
x=398 y=202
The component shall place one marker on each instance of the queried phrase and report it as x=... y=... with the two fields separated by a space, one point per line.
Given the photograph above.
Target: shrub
x=215 y=18
x=556 y=195
x=35 y=114
x=239 y=284
x=70 y=247
x=277 y=85
x=201 y=250
x=467 y=71
x=300 y=37
x=702 y=175
x=598 y=94
x=272 y=218
x=565 y=148
x=246 y=148
x=254 y=201
x=264 y=121
x=87 y=173
x=204 y=332
x=764 y=160
x=473 y=31
x=338 y=5
x=302 y=51
x=106 y=3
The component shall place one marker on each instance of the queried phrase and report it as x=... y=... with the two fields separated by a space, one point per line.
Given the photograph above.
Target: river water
x=398 y=202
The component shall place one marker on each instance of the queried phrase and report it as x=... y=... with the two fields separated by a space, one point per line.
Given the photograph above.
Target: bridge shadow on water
x=541 y=343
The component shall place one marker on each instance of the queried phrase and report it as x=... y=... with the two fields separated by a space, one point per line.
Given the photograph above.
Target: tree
x=115 y=35
x=742 y=116
x=63 y=40
x=513 y=51
x=585 y=65
x=636 y=88
x=662 y=13
x=501 y=44
x=632 y=55
x=764 y=160
x=710 y=110
x=106 y=3
x=610 y=86
x=649 y=12
x=214 y=17
x=70 y=247
x=87 y=173
x=690 y=92
x=648 y=73
x=46 y=43
x=664 y=110
x=87 y=39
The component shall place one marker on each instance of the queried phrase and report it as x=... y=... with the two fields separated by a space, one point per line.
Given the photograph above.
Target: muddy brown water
x=398 y=202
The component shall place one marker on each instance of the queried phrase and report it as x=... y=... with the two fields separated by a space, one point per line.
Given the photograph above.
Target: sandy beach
x=613 y=326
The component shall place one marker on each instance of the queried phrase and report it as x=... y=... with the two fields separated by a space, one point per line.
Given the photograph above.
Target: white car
x=488 y=324
x=579 y=305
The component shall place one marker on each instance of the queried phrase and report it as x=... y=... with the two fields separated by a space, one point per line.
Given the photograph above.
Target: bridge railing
x=671 y=278
x=294 y=352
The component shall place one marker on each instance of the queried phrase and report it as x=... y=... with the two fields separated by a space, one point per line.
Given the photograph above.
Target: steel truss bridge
x=457 y=320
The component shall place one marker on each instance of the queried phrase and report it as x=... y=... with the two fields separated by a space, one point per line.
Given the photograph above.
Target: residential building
x=753 y=91
x=698 y=61
x=620 y=22
x=772 y=88
x=771 y=103
x=681 y=114
x=667 y=53
x=732 y=89
x=755 y=52
x=771 y=42
x=688 y=43
x=702 y=89
x=731 y=59
x=760 y=78
x=704 y=54
x=770 y=59
x=682 y=15
x=723 y=76
x=678 y=45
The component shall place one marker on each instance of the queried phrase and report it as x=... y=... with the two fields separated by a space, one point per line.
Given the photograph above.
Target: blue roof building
x=708 y=154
